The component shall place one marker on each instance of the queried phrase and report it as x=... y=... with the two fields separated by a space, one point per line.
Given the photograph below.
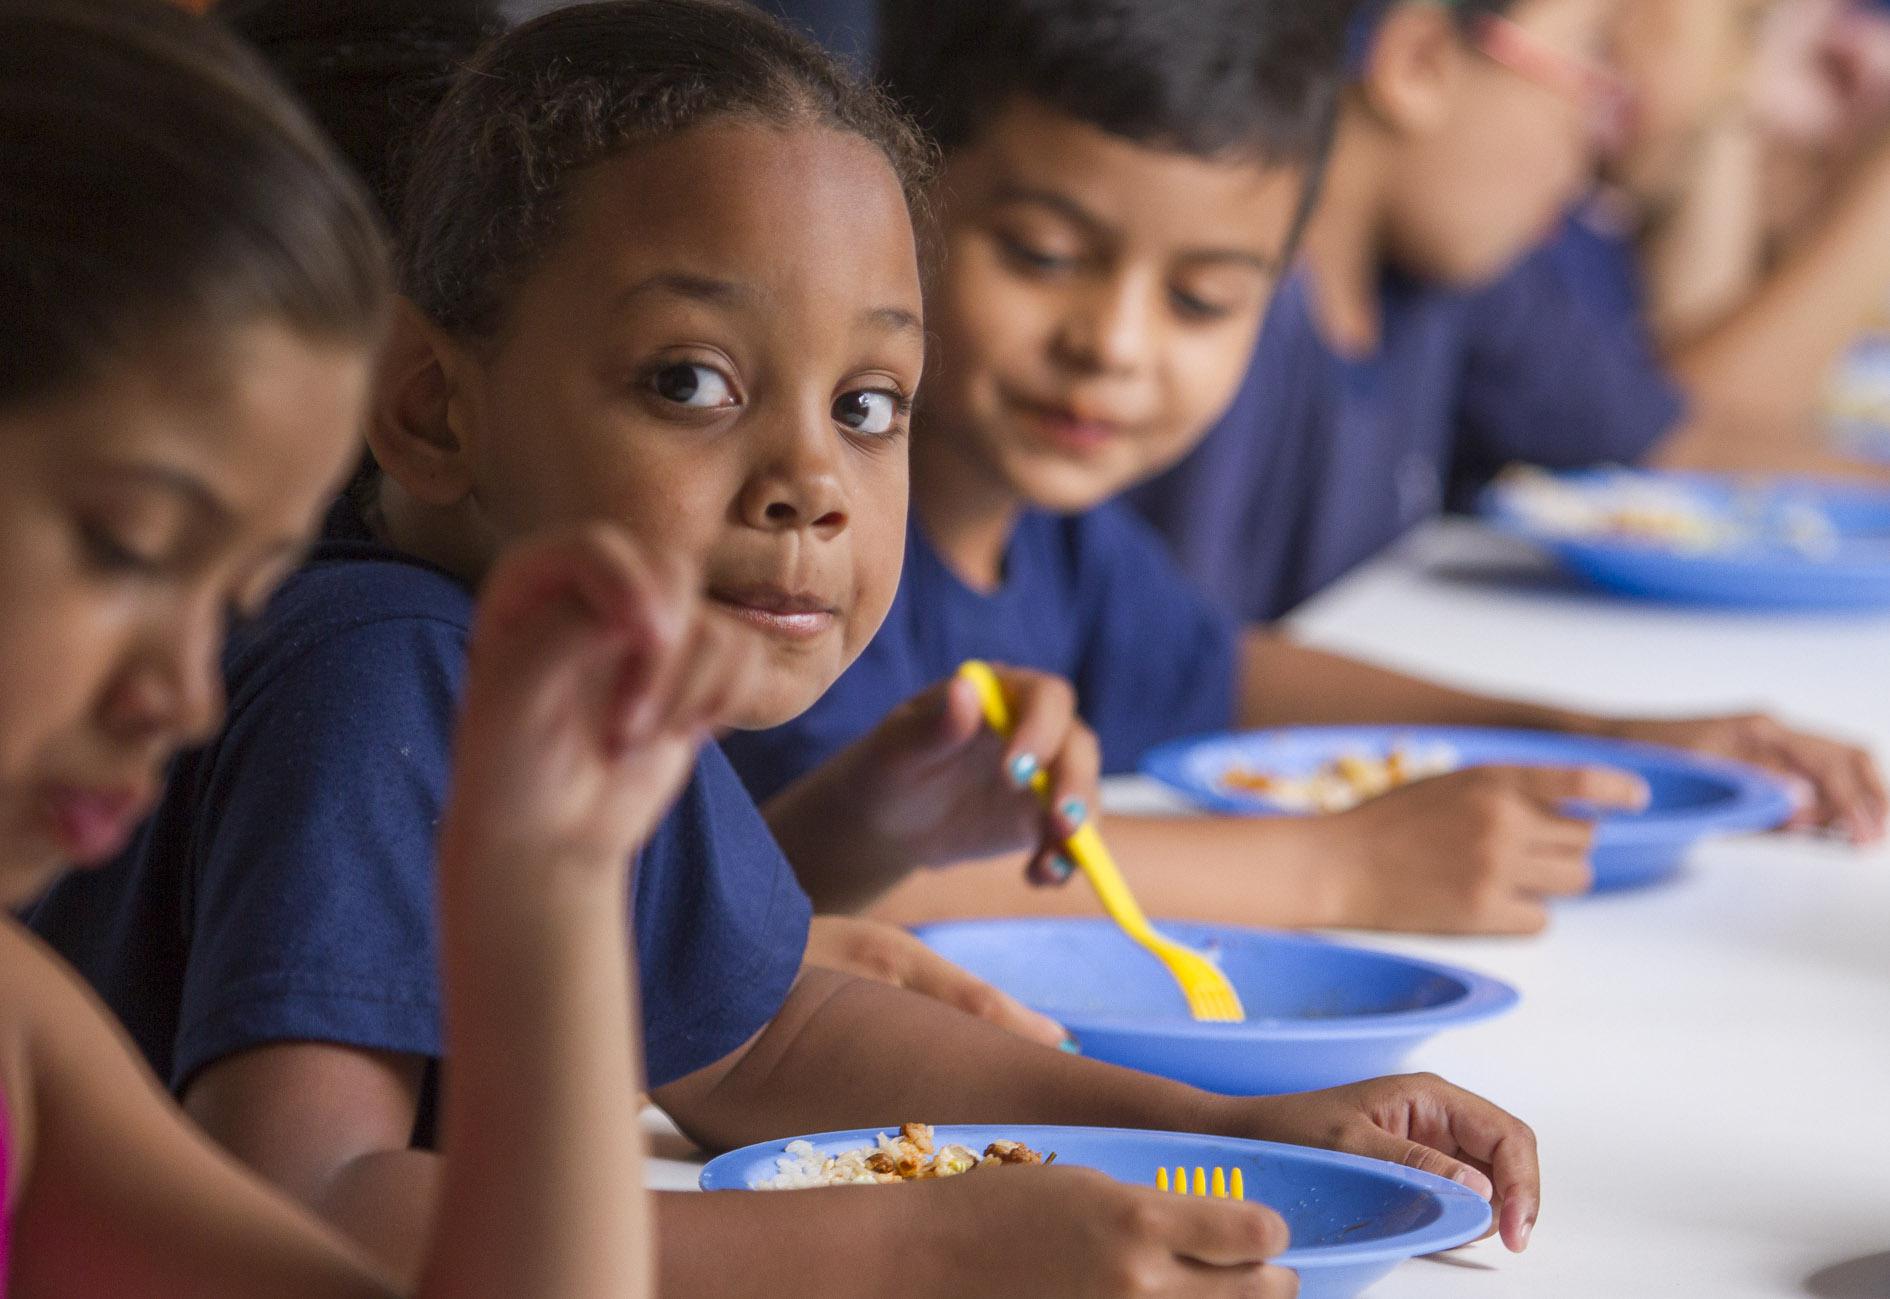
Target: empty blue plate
x=1319 y=1013
x=1693 y=796
x=1854 y=575
x=1353 y=1220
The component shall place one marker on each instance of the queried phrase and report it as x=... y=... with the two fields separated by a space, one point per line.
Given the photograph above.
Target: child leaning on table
x=196 y=290
x=1105 y=261
x=659 y=269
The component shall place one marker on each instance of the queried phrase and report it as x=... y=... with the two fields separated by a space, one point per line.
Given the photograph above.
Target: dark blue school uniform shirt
x=1091 y=597
x=1323 y=460
x=284 y=890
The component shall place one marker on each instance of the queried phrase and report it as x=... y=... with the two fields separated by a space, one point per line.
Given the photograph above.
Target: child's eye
x=1032 y=258
x=688 y=384
x=1191 y=307
x=872 y=411
x=108 y=554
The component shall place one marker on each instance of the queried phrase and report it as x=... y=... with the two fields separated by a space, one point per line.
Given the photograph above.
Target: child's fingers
x=1074 y=777
x=1221 y=1233
x=703 y=680
x=1845 y=781
x=1043 y=709
x=1050 y=868
x=1555 y=872
x=1554 y=787
x=939 y=979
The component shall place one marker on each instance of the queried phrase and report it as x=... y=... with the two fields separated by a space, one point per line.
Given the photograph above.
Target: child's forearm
x=828 y=838
x=1702 y=256
x=772 y=1245
x=1248 y=871
x=1284 y=683
x=541 y=1187
x=845 y=1053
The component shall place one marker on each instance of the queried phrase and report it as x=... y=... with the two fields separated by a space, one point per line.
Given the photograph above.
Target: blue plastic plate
x=1353 y=1220
x=1319 y=1013
x=1855 y=576
x=1693 y=797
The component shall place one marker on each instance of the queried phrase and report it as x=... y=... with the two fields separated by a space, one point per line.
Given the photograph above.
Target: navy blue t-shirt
x=284 y=890
x=1090 y=597
x=1323 y=459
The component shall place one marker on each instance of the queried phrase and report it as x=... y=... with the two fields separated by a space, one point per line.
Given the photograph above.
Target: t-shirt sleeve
x=1555 y=380
x=721 y=925
x=312 y=898
x=1159 y=661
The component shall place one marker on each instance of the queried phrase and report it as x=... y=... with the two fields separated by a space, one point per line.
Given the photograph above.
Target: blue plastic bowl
x=1319 y=1013
x=1760 y=576
x=1353 y=1220
x=1692 y=797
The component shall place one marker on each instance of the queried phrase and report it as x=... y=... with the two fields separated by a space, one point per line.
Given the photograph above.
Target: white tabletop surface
x=1707 y=1064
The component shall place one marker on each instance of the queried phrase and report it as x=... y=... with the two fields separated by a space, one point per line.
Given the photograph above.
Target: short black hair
x=578 y=85
x=154 y=181
x=1210 y=78
x=371 y=72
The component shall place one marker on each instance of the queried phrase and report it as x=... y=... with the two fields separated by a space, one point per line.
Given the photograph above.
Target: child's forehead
x=1031 y=151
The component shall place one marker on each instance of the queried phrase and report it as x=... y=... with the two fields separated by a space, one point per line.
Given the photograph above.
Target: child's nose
x=172 y=688
x=1108 y=329
x=799 y=485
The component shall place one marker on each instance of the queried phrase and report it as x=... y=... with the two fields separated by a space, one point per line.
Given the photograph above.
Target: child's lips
x=1069 y=428
x=778 y=613
x=92 y=824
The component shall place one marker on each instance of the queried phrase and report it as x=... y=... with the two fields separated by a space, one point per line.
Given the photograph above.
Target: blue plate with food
x=1313 y=769
x=1352 y=1219
x=1319 y=1013
x=1785 y=544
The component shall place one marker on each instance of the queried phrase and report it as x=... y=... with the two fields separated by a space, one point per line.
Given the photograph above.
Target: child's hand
x=1845 y=789
x=1072 y=1233
x=885 y=953
x=595 y=673
x=1476 y=851
x=937 y=784
x=1420 y=1121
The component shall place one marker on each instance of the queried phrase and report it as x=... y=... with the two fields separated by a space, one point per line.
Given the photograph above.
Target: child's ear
x=1416 y=63
x=413 y=427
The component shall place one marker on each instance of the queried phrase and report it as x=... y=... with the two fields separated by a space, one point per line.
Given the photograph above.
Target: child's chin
x=777 y=706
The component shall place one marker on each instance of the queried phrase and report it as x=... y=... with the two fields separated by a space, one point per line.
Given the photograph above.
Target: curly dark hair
x=580 y=84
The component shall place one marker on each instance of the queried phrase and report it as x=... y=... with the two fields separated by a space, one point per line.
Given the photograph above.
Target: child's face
x=1096 y=303
x=1687 y=64
x=135 y=517
x=1511 y=148
x=719 y=355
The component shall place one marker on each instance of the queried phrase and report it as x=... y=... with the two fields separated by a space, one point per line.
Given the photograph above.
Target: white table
x=1707 y=1064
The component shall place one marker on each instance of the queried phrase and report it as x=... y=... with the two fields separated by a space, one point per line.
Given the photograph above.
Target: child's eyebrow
x=1012 y=192
x=179 y=483
x=897 y=319
x=682 y=284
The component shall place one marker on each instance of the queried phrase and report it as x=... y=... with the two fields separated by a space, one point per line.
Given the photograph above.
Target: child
x=196 y=289
x=1105 y=262
x=372 y=73
x=1411 y=357
x=658 y=268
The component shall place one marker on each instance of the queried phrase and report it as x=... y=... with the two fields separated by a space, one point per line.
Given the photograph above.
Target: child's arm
x=592 y=682
x=843 y=1047
x=1285 y=683
x=1757 y=373
x=1477 y=851
x=932 y=785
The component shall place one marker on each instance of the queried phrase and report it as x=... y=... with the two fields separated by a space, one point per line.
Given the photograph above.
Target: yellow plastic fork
x=1224 y=1187
x=1210 y=996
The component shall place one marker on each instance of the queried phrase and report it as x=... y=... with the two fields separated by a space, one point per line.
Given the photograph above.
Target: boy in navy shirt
x=658 y=268
x=1106 y=260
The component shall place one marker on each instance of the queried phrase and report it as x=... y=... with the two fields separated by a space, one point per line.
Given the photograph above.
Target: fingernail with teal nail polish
x=1069 y=1047
x=1022 y=768
x=1074 y=811
x=1061 y=868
